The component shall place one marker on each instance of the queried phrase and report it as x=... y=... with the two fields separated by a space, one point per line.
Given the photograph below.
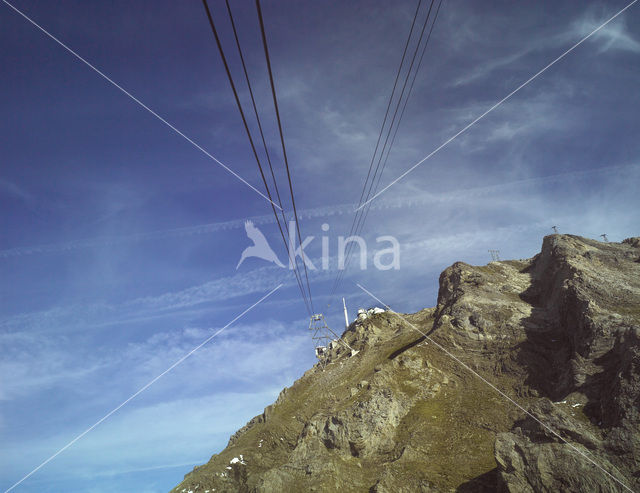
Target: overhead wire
x=373 y=188
x=362 y=214
x=386 y=114
x=400 y=99
x=379 y=158
x=253 y=147
x=253 y=101
x=284 y=150
x=404 y=107
x=381 y=164
x=382 y=127
x=293 y=261
x=362 y=217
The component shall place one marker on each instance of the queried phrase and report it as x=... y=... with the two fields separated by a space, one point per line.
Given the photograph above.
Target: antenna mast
x=346 y=316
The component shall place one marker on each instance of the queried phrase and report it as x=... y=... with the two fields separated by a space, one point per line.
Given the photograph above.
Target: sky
x=119 y=240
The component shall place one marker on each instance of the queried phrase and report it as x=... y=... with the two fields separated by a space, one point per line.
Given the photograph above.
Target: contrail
x=312 y=213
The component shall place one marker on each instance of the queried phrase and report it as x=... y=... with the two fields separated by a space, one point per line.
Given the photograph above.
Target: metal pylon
x=321 y=335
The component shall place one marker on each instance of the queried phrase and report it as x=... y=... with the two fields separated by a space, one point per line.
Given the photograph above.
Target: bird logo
x=260 y=247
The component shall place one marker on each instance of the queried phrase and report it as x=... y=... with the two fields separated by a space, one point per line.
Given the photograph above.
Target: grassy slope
x=444 y=440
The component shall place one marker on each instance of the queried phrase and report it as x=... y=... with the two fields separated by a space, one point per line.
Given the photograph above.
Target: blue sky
x=119 y=240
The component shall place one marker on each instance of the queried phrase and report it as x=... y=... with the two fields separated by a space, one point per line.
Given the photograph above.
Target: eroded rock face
x=559 y=334
x=590 y=294
x=564 y=455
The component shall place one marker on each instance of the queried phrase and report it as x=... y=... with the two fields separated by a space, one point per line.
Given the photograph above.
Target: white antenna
x=346 y=316
x=495 y=255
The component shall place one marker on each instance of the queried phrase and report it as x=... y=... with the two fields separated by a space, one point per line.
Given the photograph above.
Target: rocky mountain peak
x=525 y=377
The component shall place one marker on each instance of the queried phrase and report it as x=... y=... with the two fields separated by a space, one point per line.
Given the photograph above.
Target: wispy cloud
x=144 y=438
x=492 y=198
x=486 y=68
x=527 y=121
x=91 y=318
x=31 y=363
x=616 y=36
x=242 y=359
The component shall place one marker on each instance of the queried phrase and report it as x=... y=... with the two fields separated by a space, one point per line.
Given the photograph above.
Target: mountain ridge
x=559 y=334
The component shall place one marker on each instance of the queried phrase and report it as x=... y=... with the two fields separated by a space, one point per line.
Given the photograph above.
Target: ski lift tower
x=324 y=338
x=321 y=338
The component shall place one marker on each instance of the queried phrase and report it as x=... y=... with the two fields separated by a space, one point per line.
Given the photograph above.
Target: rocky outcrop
x=552 y=451
x=524 y=378
x=589 y=294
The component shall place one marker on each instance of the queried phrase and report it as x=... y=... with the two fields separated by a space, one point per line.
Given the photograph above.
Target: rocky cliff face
x=524 y=378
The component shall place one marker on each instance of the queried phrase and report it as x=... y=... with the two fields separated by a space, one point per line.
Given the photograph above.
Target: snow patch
x=363 y=314
x=237 y=460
